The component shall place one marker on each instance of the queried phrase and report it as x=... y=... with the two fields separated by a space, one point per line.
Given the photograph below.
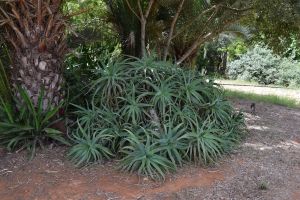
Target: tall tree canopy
x=276 y=22
x=174 y=29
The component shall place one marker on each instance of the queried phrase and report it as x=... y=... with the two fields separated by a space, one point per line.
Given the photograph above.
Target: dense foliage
x=289 y=73
x=261 y=65
x=258 y=64
x=174 y=29
x=23 y=126
x=153 y=116
x=274 y=21
x=150 y=114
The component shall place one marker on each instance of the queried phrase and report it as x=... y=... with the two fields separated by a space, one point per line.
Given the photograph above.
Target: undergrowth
x=153 y=117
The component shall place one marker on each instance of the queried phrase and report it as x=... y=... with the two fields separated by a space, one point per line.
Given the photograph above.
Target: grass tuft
x=273 y=99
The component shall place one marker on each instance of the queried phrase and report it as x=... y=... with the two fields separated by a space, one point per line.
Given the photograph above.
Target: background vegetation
x=129 y=79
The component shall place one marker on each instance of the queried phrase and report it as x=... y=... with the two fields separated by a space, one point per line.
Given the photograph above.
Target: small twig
x=51 y=172
x=4 y=172
x=92 y=179
x=140 y=197
x=23 y=147
x=82 y=11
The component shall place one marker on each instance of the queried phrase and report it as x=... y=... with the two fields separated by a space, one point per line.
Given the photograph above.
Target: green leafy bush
x=80 y=66
x=24 y=126
x=258 y=64
x=261 y=65
x=289 y=73
x=158 y=116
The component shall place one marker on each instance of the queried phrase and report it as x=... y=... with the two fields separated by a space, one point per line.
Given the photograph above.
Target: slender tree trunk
x=166 y=49
x=223 y=65
x=143 y=20
x=143 y=37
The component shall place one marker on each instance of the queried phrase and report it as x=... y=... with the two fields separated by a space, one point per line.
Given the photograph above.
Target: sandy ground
x=265 y=166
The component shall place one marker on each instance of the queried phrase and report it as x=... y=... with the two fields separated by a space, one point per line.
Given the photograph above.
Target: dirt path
x=269 y=157
x=266 y=166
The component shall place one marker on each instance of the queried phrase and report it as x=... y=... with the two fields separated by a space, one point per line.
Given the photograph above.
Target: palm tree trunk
x=35 y=71
x=36 y=31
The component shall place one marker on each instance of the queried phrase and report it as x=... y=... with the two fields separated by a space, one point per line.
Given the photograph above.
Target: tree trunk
x=36 y=31
x=170 y=35
x=143 y=37
x=223 y=65
x=35 y=71
x=143 y=20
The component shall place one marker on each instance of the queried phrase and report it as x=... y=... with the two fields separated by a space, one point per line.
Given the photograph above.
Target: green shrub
x=90 y=145
x=80 y=66
x=172 y=143
x=289 y=73
x=204 y=143
x=141 y=154
x=158 y=116
x=261 y=65
x=24 y=126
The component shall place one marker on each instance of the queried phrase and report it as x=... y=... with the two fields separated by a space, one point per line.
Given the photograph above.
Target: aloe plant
x=172 y=143
x=164 y=95
x=204 y=144
x=144 y=157
x=134 y=110
x=90 y=146
x=157 y=117
x=112 y=82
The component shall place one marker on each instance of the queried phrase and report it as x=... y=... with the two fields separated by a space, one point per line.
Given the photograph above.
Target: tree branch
x=132 y=10
x=199 y=40
x=166 y=50
x=149 y=8
x=192 y=21
x=208 y=36
x=143 y=21
x=141 y=10
x=236 y=9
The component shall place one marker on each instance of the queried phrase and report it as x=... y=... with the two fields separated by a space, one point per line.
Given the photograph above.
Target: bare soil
x=265 y=166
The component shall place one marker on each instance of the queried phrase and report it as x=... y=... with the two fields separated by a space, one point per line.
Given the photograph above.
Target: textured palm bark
x=36 y=31
x=35 y=71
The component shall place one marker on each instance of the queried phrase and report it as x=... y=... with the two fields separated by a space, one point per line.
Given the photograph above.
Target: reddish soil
x=269 y=156
x=50 y=176
x=296 y=196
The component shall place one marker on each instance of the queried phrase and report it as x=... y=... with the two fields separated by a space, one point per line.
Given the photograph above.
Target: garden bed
x=266 y=166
